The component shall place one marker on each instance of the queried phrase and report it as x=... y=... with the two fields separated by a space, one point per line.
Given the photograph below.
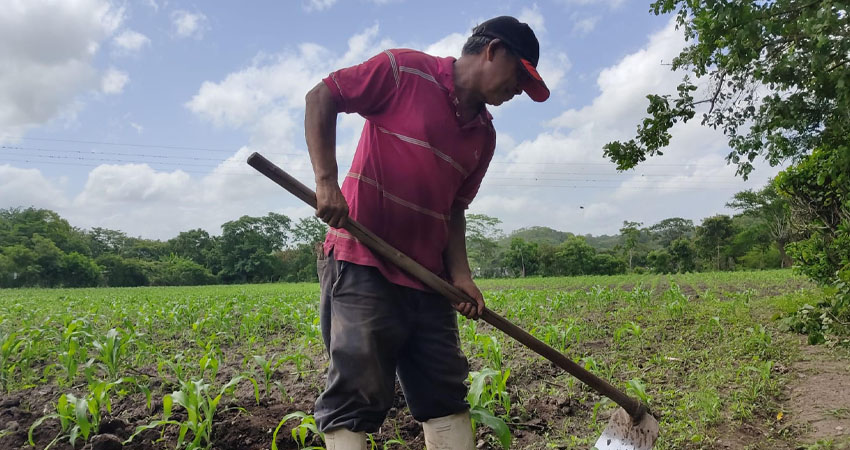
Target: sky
x=139 y=115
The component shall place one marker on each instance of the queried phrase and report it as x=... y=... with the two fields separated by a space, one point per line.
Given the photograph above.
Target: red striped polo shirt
x=415 y=161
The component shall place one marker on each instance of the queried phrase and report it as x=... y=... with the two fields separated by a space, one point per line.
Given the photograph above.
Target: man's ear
x=492 y=48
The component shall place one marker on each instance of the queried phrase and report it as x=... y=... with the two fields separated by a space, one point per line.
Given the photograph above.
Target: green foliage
x=794 y=51
x=713 y=236
x=123 y=272
x=177 y=271
x=248 y=245
x=522 y=258
x=305 y=428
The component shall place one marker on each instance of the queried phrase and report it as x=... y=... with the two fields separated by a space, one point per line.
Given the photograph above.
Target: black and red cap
x=520 y=39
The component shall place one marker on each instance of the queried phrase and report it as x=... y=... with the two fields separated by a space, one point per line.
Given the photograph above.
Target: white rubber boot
x=449 y=433
x=343 y=439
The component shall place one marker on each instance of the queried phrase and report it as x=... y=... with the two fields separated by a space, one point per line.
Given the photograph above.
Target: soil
x=819 y=396
x=815 y=406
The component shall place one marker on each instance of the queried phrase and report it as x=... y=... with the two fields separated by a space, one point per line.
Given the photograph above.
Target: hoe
x=631 y=427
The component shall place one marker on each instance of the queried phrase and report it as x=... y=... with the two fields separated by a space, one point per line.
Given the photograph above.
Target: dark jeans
x=373 y=330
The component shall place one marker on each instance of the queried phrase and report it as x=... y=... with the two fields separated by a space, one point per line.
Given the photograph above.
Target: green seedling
x=111 y=351
x=300 y=433
x=10 y=344
x=79 y=416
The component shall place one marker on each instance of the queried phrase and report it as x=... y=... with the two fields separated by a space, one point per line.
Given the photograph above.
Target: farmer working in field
x=425 y=147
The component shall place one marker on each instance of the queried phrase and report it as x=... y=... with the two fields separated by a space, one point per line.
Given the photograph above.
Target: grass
x=702 y=350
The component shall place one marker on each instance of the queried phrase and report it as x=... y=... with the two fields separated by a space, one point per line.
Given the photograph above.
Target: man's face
x=502 y=76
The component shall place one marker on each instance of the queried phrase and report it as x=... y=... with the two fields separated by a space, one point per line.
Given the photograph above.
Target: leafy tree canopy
x=778 y=74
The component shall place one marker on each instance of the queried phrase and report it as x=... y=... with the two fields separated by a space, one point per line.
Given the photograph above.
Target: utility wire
x=174 y=147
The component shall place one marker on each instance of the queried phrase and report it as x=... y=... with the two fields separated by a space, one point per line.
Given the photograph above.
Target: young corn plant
x=79 y=416
x=301 y=432
x=630 y=328
x=111 y=352
x=267 y=366
x=10 y=345
x=481 y=398
x=72 y=349
x=201 y=407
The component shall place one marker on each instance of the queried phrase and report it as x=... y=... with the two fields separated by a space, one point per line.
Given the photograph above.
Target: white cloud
x=451 y=45
x=187 y=24
x=47 y=51
x=534 y=18
x=585 y=25
x=153 y=5
x=28 y=187
x=139 y=129
x=318 y=5
x=113 y=81
x=130 y=41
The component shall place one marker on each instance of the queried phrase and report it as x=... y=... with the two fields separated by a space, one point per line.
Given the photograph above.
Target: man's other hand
x=470 y=310
x=331 y=206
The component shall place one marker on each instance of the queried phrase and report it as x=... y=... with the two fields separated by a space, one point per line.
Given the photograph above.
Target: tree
x=482 y=246
x=714 y=233
x=49 y=259
x=818 y=191
x=683 y=255
x=299 y=261
x=174 y=270
x=630 y=232
x=660 y=261
x=769 y=206
x=668 y=230
x=122 y=272
x=522 y=257
x=248 y=245
x=778 y=73
x=104 y=240
x=608 y=264
x=575 y=257
x=196 y=245
x=22 y=266
x=79 y=271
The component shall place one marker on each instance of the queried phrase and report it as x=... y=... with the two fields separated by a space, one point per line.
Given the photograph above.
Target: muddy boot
x=449 y=433
x=342 y=439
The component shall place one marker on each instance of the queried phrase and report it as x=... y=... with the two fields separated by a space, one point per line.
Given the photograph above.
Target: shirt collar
x=446 y=79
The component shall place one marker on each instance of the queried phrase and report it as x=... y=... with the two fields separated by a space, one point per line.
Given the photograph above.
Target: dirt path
x=819 y=398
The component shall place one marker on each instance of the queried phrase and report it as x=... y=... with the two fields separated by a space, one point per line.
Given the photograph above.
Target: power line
x=488 y=185
x=174 y=147
x=538 y=174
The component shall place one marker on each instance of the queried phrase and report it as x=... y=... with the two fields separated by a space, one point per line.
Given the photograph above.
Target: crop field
x=239 y=367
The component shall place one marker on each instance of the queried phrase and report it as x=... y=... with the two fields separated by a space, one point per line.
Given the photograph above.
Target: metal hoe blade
x=622 y=433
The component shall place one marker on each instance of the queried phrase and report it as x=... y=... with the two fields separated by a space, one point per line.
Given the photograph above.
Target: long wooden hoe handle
x=635 y=408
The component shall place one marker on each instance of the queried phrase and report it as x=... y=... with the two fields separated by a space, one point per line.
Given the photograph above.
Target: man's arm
x=320 y=133
x=457 y=265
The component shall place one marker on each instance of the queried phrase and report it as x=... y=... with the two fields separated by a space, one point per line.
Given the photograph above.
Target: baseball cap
x=520 y=39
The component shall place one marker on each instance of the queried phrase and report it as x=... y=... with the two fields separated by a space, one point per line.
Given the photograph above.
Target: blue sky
x=139 y=115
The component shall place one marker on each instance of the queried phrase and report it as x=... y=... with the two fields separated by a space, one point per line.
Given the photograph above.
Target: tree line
x=755 y=238
x=40 y=248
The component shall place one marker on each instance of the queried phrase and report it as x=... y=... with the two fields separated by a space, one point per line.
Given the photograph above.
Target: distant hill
x=540 y=235
x=546 y=235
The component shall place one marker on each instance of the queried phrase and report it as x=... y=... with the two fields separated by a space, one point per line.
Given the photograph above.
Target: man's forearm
x=320 y=133
x=455 y=257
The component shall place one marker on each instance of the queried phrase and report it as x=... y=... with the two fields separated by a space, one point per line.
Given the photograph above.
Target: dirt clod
x=106 y=442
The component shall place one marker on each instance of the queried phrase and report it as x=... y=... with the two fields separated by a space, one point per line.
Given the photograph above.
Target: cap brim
x=534 y=85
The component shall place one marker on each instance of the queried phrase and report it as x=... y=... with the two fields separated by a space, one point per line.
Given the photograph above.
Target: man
x=426 y=144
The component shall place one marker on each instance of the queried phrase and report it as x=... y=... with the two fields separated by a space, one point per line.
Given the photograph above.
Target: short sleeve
x=469 y=189
x=366 y=88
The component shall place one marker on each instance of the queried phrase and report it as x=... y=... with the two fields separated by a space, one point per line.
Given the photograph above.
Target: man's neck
x=470 y=101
